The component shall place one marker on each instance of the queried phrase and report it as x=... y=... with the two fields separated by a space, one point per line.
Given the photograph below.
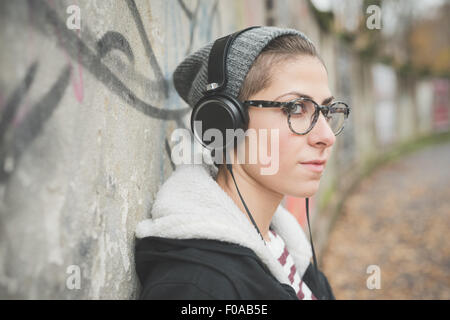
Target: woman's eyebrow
x=302 y=95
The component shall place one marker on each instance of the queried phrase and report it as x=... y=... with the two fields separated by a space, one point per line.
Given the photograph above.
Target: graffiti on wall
x=17 y=131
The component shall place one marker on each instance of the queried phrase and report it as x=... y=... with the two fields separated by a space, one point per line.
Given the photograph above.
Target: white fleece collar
x=191 y=205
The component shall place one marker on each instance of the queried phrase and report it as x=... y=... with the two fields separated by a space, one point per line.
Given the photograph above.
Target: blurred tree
x=429 y=42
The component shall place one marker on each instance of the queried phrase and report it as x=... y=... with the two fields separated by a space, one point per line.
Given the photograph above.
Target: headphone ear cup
x=243 y=112
x=218 y=112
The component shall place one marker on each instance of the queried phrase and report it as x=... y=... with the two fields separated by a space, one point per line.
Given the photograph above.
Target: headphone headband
x=217 y=61
x=217 y=109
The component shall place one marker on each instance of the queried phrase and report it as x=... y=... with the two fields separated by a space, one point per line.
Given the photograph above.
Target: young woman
x=201 y=241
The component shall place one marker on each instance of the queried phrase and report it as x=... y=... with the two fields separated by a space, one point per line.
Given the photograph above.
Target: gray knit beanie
x=191 y=75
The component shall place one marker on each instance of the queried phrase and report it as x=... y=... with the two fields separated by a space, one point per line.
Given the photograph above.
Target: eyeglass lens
x=301 y=116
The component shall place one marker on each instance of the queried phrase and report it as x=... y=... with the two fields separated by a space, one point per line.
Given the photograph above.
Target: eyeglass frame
x=287 y=106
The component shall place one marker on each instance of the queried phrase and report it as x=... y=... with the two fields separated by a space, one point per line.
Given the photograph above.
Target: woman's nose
x=322 y=133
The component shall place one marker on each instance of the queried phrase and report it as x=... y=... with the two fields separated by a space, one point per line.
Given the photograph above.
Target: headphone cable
x=310 y=238
x=243 y=202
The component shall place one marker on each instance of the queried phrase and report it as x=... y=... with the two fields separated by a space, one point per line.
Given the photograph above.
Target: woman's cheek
x=286 y=151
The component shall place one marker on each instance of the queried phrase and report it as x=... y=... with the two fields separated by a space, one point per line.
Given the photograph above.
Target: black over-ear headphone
x=217 y=109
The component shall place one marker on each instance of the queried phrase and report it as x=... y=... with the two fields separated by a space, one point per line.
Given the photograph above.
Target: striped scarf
x=278 y=248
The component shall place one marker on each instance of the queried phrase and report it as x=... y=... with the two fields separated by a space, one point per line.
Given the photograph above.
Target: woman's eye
x=298 y=108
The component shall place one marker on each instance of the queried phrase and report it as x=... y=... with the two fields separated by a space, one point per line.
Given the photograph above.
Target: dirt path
x=397 y=220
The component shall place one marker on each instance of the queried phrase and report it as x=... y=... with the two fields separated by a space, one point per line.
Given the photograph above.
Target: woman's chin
x=304 y=191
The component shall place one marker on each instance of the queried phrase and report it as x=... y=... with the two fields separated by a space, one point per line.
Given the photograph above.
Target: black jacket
x=210 y=269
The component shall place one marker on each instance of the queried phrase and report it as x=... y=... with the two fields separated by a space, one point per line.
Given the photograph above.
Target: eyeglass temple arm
x=266 y=104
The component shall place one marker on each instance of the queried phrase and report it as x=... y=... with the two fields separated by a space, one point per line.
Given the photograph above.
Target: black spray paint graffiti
x=112 y=40
x=15 y=139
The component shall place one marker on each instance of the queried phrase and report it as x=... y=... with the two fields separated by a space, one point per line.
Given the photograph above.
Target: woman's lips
x=314 y=167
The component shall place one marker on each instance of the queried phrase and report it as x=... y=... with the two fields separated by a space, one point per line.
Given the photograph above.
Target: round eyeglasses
x=303 y=113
